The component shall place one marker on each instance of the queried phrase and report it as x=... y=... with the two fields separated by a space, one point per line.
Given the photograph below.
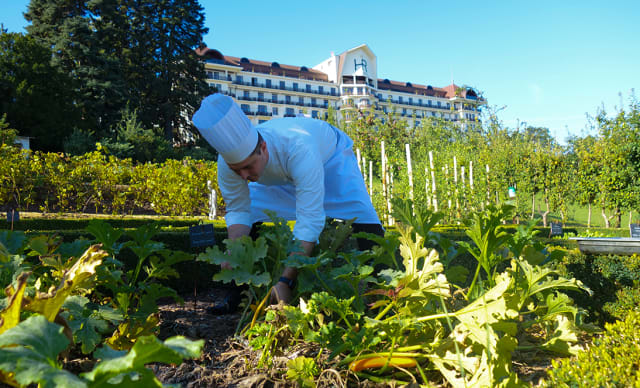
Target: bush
x=606 y=276
x=79 y=142
x=613 y=360
x=627 y=301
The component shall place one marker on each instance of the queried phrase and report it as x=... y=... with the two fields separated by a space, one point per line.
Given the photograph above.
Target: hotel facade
x=346 y=82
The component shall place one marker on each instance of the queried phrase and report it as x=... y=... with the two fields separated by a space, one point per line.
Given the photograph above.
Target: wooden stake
x=409 y=171
x=433 y=182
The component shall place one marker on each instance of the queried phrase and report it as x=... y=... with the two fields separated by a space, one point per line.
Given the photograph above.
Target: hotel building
x=346 y=82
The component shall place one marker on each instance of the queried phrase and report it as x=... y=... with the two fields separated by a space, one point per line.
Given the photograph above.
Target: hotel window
x=246 y=94
x=320 y=90
x=326 y=103
x=245 y=108
x=239 y=79
x=301 y=100
x=290 y=112
x=400 y=100
x=282 y=85
x=287 y=99
x=209 y=74
x=268 y=83
x=314 y=114
x=360 y=91
x=274 y=97
x=262 y=108
x=438 y=104
x=420 y=101
x=254 y=81
x=333 y=91
x=295 y=86
x=274 y=110
x=313 y=101
x=429 y=102
x=404 y=111
x=308 y=88
x=410 y=100
x=260 y=96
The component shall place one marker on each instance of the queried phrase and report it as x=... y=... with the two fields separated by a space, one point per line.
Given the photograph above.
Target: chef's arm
x=238 y=230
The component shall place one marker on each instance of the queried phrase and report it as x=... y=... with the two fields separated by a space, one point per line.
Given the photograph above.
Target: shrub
x=613 y=360
x=605 y=275
x=627 y=300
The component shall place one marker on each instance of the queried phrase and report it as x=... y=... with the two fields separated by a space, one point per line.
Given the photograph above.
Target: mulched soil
x=229 y=361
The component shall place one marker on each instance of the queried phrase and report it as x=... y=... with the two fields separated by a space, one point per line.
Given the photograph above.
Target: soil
x=228 y=361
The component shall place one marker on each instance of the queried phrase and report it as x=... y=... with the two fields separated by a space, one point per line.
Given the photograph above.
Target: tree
x=34 y=94
x=135 y=52
x=165 y=76
x=617 y=151
x=583 y=151
x=73 y=30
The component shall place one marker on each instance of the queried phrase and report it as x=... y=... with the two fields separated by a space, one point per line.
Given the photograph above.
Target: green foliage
x=79 y=142
x=136 y=53
x=302 y=371
x=7 y=135
x=132 y=141
x=485 y=232
x=611 y=361
x=627 y=300
x=36 y=96
x=99 y=182
x=610 y=277
x=246 y=258
x=118 y=366
x=30 y=351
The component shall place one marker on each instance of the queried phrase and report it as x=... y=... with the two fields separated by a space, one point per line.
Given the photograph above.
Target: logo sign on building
x=634 y=230
x=362 y=64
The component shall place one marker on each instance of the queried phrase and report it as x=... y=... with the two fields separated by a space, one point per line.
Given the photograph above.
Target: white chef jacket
x=312 y=173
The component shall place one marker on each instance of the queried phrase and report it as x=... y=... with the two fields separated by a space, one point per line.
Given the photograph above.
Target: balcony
x=278 y=87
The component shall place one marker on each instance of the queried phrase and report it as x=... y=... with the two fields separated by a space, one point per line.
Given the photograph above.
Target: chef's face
x=252 y=167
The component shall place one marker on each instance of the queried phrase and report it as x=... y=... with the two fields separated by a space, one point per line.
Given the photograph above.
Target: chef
x=300 y=168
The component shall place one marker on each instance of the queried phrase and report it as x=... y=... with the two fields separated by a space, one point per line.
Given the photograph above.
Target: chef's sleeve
x=307 y=172
x=235 y=192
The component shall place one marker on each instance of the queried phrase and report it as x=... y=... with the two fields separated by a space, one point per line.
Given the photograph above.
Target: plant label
x=201 y=236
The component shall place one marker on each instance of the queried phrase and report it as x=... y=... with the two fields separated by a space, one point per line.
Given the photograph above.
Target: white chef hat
x=223 y=124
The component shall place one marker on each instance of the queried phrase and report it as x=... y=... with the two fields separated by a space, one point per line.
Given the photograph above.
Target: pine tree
x=136 y=53
x=35 y=96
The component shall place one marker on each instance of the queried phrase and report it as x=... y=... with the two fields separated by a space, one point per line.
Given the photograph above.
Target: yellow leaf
x=49 y=304
x=10 y=316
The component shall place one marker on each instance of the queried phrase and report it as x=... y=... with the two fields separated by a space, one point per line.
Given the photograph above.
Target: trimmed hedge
x=613 y=360
x=59 y=224
x=606 y=276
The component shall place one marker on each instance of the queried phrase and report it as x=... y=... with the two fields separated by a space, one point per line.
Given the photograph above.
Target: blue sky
x=543 y=63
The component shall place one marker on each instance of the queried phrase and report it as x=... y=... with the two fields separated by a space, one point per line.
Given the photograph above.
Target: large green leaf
x=243 y=255
x=30 y=349
x=146 y=350
x=88 y=322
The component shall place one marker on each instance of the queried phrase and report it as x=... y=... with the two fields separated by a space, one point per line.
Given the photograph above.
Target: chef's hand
x=281 y=292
